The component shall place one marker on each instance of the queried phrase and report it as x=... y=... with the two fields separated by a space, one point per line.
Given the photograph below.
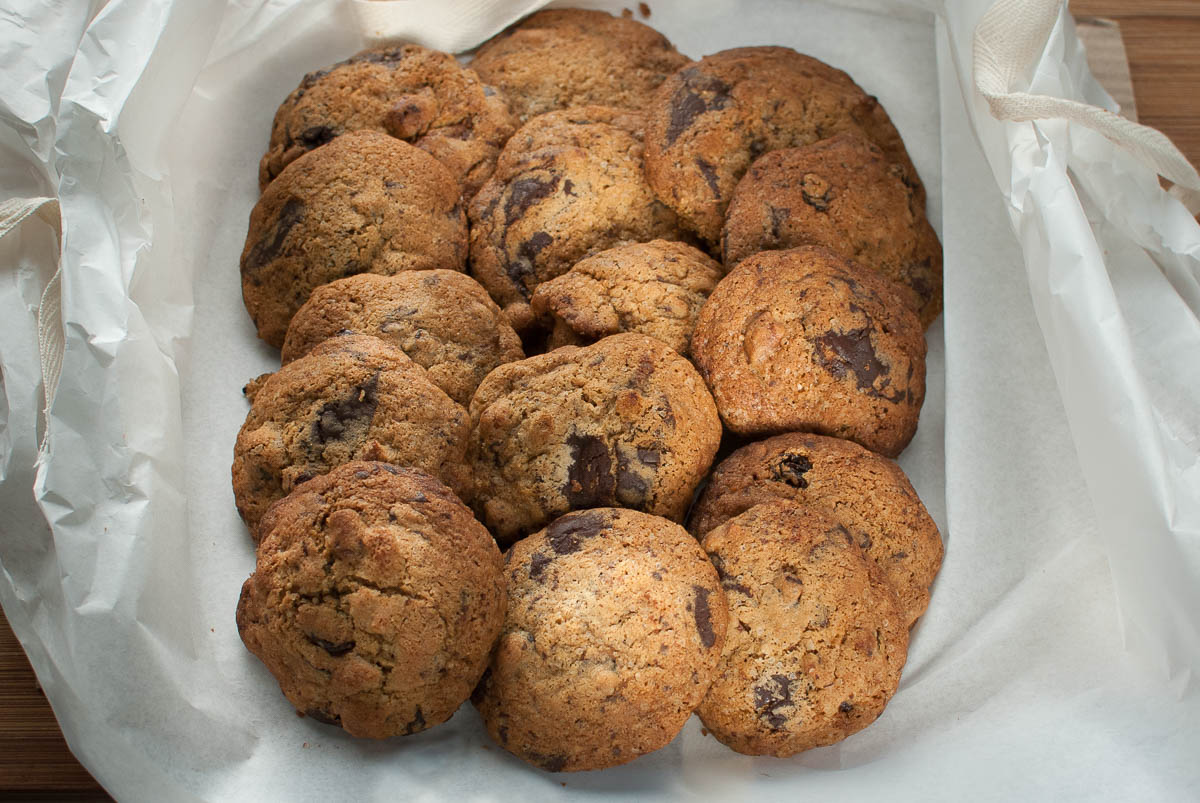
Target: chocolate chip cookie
x=568 y=184
x=867 y=494
x=375 y=601
x=626 y=422
x=655 y=288
x=351 y=398
x=364 y=203
x=804 y=340
x=816 y=638
x=614 y=629
x=424 y=97
x=567 y=57
x=443 y=320
x=844 y=194
x=712 y=118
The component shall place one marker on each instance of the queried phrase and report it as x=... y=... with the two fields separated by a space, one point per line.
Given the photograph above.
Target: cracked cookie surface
x=713 y=117
x=816 y=639
x=864 y=492
x=804 y=340
x=375 y=600
x=568 y=184
x=422 y=96
x=565 y=57
x=626 y=422
x=443 y=320
x=353 y=397
x=364 y=203
x=654 y=288
x=614 y=628
x=841 y=193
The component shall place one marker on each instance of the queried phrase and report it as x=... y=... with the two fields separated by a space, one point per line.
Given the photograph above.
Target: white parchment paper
x=1029 y=675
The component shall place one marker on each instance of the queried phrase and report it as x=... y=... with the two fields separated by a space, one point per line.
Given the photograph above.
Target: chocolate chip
x=589 y=476
x=566 y=533
x=324 y=716
x=502 y=732
x=790 y=469
x=524 y=193
x=649 y=457
x=268 y=248
x=632 y=489
x=553 y=763
x=846 y=707
x=390 y=56
x=417 y=724
x=778 y=218
x=334 y=649
x=839 y=352
x=569 y=188
x=537 y=564
x=488 y=91
x=710 y=175
x=336 y=419
x=704 y=617
x=698 y=94
x=731 y=585
x=769 y=697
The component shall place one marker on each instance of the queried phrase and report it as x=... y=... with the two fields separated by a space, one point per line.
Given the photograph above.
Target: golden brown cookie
x=712 y=118
x=626 y=422
x=443 y=320
x=864 y=492
x=566 y=57
x=804 y=340
x=351 y=398
x=655 y=288
x=614 y=629
x=375 y=600
x=841 y=193
x=816 y=638
x=364 y=203
x=568 y=184
x=424 y=97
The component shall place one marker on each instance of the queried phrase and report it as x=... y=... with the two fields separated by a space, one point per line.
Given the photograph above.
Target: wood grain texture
x=1162 y=40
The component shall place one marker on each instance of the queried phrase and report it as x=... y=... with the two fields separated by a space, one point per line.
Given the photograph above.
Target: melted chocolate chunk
x=270 y=247
x=700 y=93
x=323 y=716
x=316 y=136
x=710 y=175
x=524 y=193
x=337 y=418
x=816 y=192
x=334 y=649
x=704 y=617
x=590 y=480
x=566 y=533
x=417 y=724
x=790 y=469
x=769 y=697
x=537 y=564
x=842 y=352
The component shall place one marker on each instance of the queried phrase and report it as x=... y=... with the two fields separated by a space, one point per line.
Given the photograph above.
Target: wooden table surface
x=1162 y=40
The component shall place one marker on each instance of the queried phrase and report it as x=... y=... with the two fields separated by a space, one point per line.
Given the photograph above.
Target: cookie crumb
x=627 y=13
x=644 y=10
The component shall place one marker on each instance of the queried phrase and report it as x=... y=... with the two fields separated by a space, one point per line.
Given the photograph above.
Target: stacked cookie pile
x=666 y=258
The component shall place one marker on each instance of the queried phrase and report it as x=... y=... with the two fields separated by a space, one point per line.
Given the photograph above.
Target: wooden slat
x=1162 y=40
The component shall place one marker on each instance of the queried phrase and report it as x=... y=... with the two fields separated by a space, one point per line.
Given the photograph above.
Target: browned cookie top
x=568 y=184
x=419 y=95
x=351 y=398
x=844 y=194
x=867 y=494
x=568 y=57
x=375 y=601
x=711 y=119
x=364 y=203
x=805 y=340
x=625 y=422
x=614 y=629
x=655 y=288
x=816 y=638
x=443 y=320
